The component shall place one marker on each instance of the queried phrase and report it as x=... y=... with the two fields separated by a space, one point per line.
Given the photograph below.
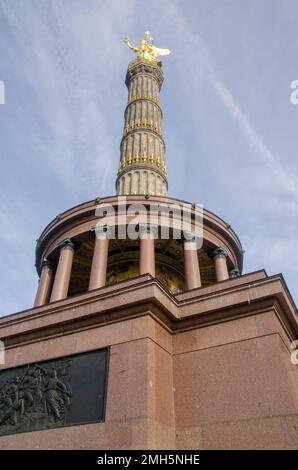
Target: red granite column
x=147 y=251
x=63 y=272
x=45 y=283
x=191 y=264
x=220 y=260
x=100 y=258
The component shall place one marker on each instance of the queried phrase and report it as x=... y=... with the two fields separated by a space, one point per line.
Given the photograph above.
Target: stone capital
x=141 y=67
x=234 y=273
x=219 y=252
x=47 y=263
x=188 y=236
x=67 y=244
x=102 y=231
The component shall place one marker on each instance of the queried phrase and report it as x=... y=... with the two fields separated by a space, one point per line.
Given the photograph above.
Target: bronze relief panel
x=62 y=392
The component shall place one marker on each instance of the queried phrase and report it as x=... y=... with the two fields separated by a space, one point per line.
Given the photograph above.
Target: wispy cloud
x=69 y=82
x=283 y=178
x=201 y=63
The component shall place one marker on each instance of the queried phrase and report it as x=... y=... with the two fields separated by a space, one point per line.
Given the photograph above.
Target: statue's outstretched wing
x=156 y=51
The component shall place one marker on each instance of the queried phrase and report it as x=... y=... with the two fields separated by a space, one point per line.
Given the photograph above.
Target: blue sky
x=230 y=127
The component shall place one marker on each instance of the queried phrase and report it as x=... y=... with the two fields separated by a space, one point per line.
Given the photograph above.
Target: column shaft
x=147 y=253
x=142 y=168
x=63 y=272
x=45 y=285
x=191 y=265
x=99 y=263
x=220 y=261
x=221 y=269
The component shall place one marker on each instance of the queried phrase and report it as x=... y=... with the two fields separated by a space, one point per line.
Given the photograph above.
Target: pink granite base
x=180 y=376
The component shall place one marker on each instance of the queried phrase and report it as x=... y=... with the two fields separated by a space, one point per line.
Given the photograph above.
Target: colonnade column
x=191 y=263
x=100 y=258
x=45 y=283
x=63 y=272
x=147 y=234
x=219 y=256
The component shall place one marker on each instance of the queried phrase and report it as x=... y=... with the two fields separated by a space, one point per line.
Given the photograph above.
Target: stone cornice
x=146 y=296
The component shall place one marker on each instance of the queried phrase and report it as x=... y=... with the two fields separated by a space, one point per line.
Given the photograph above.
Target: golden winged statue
x=146 y=49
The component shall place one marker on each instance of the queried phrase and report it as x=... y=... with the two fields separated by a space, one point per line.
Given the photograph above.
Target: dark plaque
x=63 y=392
